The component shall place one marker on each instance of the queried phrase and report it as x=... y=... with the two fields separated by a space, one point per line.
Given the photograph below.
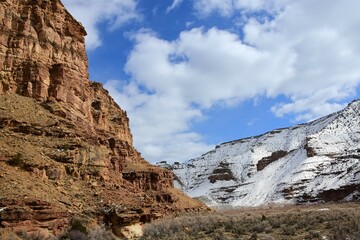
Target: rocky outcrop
x=313 y=162
x=44 y=57
x=150 y=180
x=221 y=173
x=351 y=191
x=64 y=143
x=32 y=216
x=42 y=47
x=272 y=158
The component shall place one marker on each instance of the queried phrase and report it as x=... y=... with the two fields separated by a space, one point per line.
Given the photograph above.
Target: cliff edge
x=66 y=148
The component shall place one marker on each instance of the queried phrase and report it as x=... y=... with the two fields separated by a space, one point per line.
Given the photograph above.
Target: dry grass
x=325 y=222
x=332 y=222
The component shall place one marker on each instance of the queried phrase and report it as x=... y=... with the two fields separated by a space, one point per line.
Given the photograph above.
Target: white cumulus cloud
x=91 y=13
x=227 y=8
x=308 y=52
x=174 y=81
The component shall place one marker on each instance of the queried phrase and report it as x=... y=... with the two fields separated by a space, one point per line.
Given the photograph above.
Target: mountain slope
x=317 y=161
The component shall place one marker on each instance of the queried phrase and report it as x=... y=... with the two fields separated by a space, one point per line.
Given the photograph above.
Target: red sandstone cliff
x=65 y=146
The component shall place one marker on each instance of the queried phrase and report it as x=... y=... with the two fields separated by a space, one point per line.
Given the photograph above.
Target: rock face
x=43 y=56
x=318 y=161
x=65 y=146
x=34 y=215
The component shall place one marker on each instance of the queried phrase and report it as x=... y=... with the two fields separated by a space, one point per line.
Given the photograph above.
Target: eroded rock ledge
x=65 y=146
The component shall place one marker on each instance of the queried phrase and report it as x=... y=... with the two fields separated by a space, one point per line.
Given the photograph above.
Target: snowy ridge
x=317 y=161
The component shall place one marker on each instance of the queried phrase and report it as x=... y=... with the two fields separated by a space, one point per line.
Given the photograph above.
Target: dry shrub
x=338 y=221
x=9 y=235
x=81 y=230
x=17 y=161
x=100 y=232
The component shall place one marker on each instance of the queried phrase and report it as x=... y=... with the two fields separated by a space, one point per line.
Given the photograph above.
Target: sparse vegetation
x=78 y=231
x=22 y=235
x=77 y=225
x=17 y=161
x=65 y=147
x=336 y=222
x=315 y=222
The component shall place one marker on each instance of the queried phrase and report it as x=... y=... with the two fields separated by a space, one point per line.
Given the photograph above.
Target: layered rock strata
x=65 y=146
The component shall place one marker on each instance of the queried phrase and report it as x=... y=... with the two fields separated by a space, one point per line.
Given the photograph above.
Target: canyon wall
x=66 y=148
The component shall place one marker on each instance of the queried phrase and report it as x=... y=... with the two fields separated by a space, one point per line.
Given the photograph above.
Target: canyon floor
x=316 y=221
x=334 y=221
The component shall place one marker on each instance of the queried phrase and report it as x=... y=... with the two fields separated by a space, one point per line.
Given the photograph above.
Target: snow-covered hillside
x=318 y=161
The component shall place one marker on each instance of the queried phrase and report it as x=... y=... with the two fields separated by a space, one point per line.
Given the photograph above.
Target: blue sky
x=194 y=73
